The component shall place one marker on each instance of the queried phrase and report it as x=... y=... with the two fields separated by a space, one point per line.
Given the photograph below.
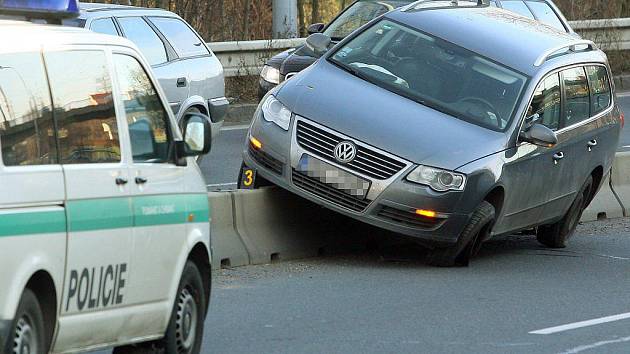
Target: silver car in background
x=189 y=73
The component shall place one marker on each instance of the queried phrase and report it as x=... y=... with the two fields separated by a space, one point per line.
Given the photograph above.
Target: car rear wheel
x=557 y=234
x=469 y=242
x=27 y=334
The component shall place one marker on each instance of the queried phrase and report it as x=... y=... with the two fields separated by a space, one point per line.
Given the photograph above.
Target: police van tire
x=469 y=242
x=185 y=328
x=557 y=234
x=27 y=334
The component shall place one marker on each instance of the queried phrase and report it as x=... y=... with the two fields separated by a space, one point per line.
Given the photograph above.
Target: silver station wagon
x=446 y=123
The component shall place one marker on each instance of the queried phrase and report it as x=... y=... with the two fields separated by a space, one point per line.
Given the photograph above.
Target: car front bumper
x=390 y=203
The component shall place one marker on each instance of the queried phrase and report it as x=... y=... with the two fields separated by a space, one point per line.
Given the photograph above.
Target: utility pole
x=285 y=19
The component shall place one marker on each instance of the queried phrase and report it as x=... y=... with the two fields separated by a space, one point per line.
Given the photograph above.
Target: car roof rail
x=571 y=48
x=452 y=2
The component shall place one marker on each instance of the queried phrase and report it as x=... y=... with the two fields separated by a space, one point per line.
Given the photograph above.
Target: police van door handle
x=141 y=180
x=121 y=181
x=591 y=144
x=557 y=157
x=181 y=82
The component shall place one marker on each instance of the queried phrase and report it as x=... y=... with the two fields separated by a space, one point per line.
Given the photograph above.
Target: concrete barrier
x=621 y=180
x=227 y=247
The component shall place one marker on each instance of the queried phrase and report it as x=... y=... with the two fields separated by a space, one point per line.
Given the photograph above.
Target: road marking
x=623 y=94
x=626 y=146
x=582 y=348
x=581 y=324
x=222 y=184
x=235 y=127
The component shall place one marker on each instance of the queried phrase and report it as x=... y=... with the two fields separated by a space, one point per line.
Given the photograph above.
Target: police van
x=104 y=232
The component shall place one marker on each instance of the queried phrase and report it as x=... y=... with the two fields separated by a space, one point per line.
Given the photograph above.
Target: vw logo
x=345 y=151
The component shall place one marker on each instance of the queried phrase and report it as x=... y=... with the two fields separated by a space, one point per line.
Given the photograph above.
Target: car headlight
x=270 y=74
x=439 y=180
x=274 y=111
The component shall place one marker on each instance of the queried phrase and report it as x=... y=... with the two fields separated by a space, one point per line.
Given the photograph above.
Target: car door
x=171 y=73
x=157 y=190
x=98 y=205
x=530 y=169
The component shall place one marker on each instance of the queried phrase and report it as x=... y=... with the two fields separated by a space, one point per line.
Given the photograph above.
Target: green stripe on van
x=28 y=223
x=170 y=209
x=99 y=214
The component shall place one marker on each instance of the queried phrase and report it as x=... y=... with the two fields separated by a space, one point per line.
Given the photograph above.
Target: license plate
x=247 y=179
x=333 y=176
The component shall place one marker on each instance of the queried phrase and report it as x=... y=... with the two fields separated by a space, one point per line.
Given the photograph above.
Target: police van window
x=600 y=88
x=139 y=32
x=577 y=97
x=84 y=107
x=185 y=42
x=147 y=119
x=545 y=14
x=517 y=6
x=104 y=26
x=545 y=106
x=26 y=126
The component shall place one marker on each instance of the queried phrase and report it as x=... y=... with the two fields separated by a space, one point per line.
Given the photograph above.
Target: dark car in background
x=288 y=63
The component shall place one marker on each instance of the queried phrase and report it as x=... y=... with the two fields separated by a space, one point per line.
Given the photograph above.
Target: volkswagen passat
x=446 y=123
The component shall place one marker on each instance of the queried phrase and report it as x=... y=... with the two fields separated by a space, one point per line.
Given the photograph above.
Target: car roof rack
x=571 y=48
x=453 y=3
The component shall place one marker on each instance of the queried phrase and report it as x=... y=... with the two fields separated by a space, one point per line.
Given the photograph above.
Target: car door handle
x=141 y=180
x=181 y=82
x=558 y=156
x=121 y=181
x=591 y=144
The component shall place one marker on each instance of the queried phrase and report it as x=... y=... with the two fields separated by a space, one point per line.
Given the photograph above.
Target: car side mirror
x=318 y=43
x=315 y=28
x=540 y=135
x=197 y=135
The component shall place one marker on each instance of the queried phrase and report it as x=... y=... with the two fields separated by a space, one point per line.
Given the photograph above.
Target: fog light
x=255 y=143
x=426 y=213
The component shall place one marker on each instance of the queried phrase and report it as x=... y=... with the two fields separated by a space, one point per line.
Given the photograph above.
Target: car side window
x=545 y=106
x=545 y=14
x=576 y=95
x=104 y=26
x=138 y=31
x=84 y=106
x=147 y=119
x=26 y=125
x=517 y=6
x=185 y=42
x=601 y=96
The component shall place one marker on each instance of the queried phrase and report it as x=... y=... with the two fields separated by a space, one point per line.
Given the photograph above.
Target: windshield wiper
x=354 y=71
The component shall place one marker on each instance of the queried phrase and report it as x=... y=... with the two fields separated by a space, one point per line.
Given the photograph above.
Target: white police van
x=104 y=232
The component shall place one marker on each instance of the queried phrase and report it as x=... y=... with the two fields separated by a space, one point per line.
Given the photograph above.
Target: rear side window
x=577 y=97
x=185 y=42
x=105 y=26
x=546 y=103
x=139 y=32
x=26 y=127
x=147 y=119
x=84 y=107
x=601 y=97
x=545 y=14
x=517 y=6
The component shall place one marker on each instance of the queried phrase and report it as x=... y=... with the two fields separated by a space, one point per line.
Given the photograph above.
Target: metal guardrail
x=245 y=58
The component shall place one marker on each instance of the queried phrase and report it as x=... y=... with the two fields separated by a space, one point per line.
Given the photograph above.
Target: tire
x=27 y=333
x=557 y=234
x=258 y=183
x=469 y=242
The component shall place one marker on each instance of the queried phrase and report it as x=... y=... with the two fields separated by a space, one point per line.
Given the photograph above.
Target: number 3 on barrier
x=248 y=177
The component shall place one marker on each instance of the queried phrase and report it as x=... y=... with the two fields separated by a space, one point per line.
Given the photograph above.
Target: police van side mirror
x=197 y=136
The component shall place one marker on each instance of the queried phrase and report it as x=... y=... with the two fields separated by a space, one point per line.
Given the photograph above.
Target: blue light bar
x=40 y=8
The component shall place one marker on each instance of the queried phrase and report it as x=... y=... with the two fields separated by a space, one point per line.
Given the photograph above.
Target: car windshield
x=359 y=14
x=433 y=72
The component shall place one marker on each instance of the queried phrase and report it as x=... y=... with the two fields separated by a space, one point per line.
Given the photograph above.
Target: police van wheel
x=27 y=331
x=185 y=329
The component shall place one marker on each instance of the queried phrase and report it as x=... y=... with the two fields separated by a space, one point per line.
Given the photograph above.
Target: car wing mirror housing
x=540 y=135
x=318 y=43
x=197 y=134
x=315 y=28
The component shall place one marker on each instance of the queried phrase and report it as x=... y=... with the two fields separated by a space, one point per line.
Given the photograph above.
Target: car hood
x=338 y=100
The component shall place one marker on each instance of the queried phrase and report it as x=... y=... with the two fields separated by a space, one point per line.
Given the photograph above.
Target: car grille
x=266 y=160
x=329 y=193
x=367 y=161
x=407 y=218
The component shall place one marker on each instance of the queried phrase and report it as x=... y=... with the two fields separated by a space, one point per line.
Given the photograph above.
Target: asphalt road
x=222 y=165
